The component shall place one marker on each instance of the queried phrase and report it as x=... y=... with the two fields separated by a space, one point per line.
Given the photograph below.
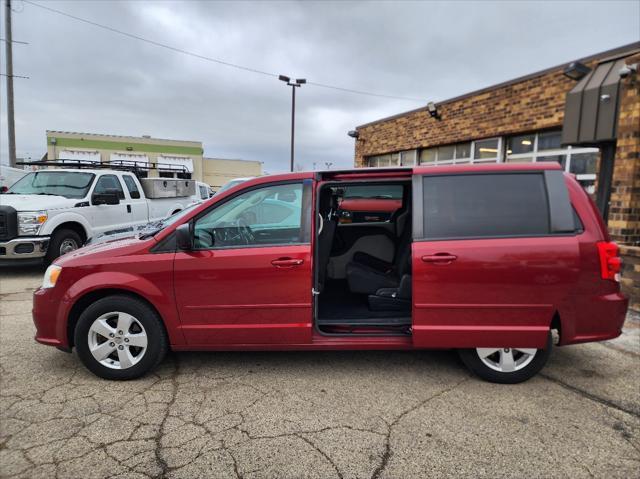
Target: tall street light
x=293 y=84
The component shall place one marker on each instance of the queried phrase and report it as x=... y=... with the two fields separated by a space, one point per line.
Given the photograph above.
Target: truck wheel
x=63 y=241
x=506 y=365
x=120 y=337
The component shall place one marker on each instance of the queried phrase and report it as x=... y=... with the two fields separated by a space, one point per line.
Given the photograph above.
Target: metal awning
x=591 y=109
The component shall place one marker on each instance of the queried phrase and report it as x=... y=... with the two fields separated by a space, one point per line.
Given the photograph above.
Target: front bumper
x=48 y=308
x=27 y=247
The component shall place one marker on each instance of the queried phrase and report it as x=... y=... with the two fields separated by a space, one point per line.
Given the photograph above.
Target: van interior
x=363 y=258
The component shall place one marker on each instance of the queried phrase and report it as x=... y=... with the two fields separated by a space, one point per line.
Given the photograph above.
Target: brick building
x=557 y=114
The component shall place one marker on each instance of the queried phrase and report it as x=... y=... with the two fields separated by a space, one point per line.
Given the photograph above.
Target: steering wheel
x=244 y=231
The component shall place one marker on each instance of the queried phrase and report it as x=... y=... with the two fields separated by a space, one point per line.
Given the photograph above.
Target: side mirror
x=106 y=198
x=4 y=189
x=184 y=239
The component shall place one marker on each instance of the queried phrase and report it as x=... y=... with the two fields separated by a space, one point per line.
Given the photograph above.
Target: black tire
x=59 y=239
x=157 y=342
x=471 y=359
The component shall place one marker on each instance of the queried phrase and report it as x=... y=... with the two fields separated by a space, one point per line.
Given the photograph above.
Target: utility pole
x=11 y=125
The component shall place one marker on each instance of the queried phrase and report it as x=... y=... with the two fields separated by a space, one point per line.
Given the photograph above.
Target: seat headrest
x=328 y=202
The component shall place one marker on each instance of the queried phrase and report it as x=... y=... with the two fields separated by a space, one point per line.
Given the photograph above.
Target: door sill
x=400 y=326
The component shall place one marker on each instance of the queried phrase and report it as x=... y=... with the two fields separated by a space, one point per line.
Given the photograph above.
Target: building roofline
x=106 y=136
x=618 y=52
x=231 y=159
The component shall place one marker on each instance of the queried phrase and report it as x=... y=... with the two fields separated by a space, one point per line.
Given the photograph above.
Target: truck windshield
x=70 y=184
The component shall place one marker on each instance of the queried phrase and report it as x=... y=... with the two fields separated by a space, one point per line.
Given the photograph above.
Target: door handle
x=128 y=208
x=442 y=258
x=287 y=262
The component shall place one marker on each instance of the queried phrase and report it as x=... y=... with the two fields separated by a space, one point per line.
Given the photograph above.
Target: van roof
x=406 y=171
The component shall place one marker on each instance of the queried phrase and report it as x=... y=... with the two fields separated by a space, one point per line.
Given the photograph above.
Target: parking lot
x=328 y=414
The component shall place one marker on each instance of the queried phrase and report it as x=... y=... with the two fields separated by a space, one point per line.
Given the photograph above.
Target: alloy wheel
x=506 y=360
x=117 y=340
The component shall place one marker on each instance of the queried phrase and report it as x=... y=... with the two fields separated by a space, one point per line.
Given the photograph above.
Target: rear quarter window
x=131 y=186
x=485 y=205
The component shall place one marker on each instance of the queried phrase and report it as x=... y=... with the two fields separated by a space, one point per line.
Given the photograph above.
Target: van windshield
x=70 y=184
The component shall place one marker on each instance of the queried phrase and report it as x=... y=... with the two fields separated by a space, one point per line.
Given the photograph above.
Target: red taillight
x=610 y=261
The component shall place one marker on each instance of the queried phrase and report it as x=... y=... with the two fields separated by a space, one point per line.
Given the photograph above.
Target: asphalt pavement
x=312 y=414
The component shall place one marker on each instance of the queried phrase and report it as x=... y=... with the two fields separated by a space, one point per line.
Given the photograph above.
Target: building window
x=459 y=153
x=520 y=144
x=391 y=159
x=550 y=140
x=546 y=146
x=428 y=156
x=408 y=157
x=486 y=150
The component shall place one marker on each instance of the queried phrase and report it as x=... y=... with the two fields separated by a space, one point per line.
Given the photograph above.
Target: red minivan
x=485 y=259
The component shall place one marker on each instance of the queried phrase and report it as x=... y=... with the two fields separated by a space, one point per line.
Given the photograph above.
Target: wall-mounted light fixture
x=433 y=110
x=576 y=71
x=354 y=134
x=627 y=70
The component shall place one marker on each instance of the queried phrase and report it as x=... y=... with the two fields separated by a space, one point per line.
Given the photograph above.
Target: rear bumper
x=24 y=248
x=600 y=319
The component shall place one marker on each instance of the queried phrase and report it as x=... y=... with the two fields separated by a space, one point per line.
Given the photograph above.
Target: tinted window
x=131 y=186
x=265 y=216
x=485 y=206
x=109 y=183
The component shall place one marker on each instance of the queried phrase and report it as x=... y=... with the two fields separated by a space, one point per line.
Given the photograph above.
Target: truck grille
x=8 y=223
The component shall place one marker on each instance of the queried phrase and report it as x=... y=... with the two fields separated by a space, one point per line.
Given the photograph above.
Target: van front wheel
x=120 y=337
x=506 y=365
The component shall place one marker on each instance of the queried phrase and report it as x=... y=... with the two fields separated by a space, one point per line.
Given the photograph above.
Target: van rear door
x=494 y=255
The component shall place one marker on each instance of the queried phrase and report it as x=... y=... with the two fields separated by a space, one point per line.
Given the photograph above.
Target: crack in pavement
x=164 y=467
x=386 y=455
x=322 y=453
x=592 y=397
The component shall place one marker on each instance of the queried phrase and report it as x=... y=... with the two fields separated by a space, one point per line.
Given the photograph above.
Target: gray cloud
x=87 y=79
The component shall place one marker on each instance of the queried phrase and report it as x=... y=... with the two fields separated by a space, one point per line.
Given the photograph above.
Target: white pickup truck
x=50 y=212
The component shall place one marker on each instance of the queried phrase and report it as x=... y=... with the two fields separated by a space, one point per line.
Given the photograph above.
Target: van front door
x=248 y=278
x=494 y=254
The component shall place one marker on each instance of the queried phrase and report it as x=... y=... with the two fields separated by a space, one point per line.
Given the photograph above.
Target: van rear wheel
x=506 y=365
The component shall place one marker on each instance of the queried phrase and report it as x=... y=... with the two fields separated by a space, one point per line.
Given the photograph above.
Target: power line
x=152 y=42
x=211 y=59
x=14 y=76
x=358 y=92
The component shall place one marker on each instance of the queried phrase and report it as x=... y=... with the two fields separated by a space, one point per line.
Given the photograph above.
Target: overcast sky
x=83 y=78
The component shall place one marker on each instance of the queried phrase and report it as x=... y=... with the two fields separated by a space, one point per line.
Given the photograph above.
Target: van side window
x=485 y=205
x=266 y=216
x=132 y=187
x=109 y=183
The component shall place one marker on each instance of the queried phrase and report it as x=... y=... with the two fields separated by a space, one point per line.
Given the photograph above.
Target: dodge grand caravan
x=484 y=259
